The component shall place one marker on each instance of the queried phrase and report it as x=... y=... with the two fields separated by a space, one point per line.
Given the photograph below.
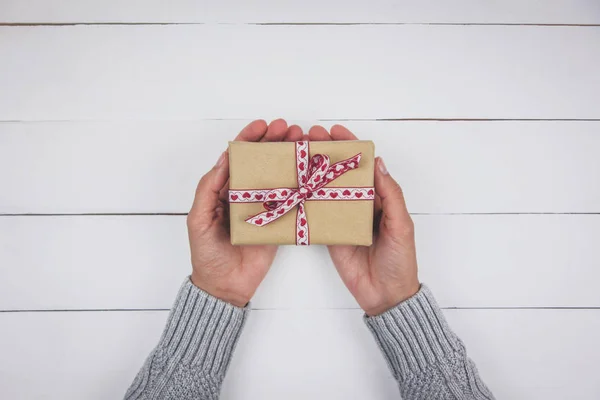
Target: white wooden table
x=488 y=113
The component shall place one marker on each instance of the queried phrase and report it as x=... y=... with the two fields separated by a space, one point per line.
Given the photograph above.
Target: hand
x=384 y=274
x=230 y=273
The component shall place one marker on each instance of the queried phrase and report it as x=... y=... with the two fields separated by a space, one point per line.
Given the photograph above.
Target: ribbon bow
x=312 y=176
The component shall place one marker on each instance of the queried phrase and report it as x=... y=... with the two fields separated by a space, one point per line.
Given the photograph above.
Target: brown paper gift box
x=273 y=165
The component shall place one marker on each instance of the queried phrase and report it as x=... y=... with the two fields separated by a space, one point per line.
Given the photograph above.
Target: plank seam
x=115 y=23
x=185 y=214
x=289 y=309
x=432 y=119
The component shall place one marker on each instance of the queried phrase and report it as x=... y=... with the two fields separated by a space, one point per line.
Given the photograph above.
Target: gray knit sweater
x=190 y=361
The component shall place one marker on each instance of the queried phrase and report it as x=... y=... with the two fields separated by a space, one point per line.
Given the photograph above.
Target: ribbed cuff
x=202 y=330
x=414 y=335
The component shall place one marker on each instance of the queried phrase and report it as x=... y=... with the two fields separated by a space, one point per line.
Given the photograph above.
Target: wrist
x=395 y=298
x=223 y=294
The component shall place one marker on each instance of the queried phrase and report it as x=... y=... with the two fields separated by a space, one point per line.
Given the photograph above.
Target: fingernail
x=382 y=167
x=220 y=160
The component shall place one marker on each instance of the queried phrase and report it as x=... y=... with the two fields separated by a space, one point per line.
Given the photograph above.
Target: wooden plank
x=336 y=72
x=521 y=354
x=140 y=261
x=309 y=11
x=444 y=167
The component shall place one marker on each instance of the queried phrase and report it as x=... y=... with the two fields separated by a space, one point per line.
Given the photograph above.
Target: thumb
x=395 y=218
x=206 y=201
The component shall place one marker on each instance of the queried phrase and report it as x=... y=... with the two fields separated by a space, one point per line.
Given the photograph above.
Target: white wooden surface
x=106 y=126
x=308 y=11
x=298 y=354
x=444 y=167
x=468 y=260
x=235 y=71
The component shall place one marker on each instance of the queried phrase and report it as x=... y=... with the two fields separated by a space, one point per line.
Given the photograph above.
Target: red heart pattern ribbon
x=312 y=176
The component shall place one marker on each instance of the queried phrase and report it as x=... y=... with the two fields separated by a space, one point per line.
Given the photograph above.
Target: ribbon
x=312 y=175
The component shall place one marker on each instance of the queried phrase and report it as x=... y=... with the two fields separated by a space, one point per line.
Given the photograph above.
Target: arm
x=205 y=323
x=427 y=359
x=194 y=351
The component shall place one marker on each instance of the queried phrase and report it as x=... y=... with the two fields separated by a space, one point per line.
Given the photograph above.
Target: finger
x=253 y=132
x=395 y=217
x=224 y=192
x=318 y=133
x=293 y=134
x=276 y=131
x=377 y=203
x=265 y=254
x=339 y=132
x=351 y=263
x=340 y=254
x=206 y=201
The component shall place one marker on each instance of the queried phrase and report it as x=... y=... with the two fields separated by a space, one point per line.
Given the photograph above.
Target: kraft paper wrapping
x=273 y=165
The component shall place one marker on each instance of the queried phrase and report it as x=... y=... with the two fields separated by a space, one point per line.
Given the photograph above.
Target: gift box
x=301 y=192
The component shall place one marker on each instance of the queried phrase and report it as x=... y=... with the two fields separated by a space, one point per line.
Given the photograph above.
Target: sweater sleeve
x=193 y=353
x=426 y=358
